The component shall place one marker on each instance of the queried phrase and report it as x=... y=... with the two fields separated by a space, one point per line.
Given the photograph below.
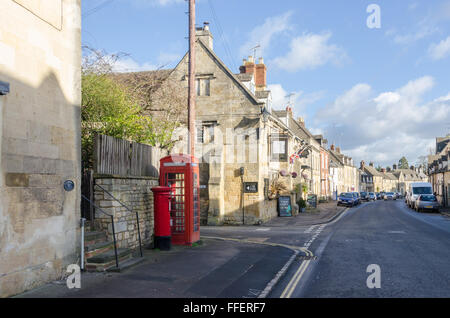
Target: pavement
x=324 y=213
x=235 y=262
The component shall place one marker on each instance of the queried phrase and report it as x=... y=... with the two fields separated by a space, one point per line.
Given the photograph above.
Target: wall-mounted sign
x=250 y=187
x=284 y=206
x=69 y=185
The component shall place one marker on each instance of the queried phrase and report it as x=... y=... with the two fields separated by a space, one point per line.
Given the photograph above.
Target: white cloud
x=300 y=100
x=310 y=51
x=424 y=28
x=157 y=2
x=440 y=50
x=384 y=127
x=263 y=34
x=128 y=64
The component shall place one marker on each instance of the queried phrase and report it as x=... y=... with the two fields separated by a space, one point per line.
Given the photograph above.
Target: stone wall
x=137 y=195
x=40 y=57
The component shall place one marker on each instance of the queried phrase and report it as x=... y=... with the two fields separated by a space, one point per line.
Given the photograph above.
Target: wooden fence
x=115 y=156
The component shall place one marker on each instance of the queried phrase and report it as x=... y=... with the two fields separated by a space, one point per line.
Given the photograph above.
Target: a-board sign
x=250 y=187
x=284 y=206
x=312 y=200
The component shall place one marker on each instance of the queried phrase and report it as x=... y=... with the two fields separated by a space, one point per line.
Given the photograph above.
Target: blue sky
x=378 y=93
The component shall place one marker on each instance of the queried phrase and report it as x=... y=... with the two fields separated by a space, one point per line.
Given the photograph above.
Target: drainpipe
x=83 y=220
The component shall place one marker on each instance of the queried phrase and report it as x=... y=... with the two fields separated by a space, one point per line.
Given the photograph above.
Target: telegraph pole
x=191 y=98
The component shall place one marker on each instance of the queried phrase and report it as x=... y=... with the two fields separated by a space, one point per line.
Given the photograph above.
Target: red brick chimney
x=289 y=110
x=261 y=75
x=332 y=147
x=248 y=66
x=383 y=170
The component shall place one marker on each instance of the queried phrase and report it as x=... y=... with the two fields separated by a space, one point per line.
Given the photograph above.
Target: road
x=411 y=249
x=287 y=259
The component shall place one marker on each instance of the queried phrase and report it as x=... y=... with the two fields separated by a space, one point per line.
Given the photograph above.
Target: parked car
x=415 y=190
x=378 y=194
x=346 y=199
x=427 y=202
x=358 y=197
x=372 y=196
x=389 y=196
x=364 y=196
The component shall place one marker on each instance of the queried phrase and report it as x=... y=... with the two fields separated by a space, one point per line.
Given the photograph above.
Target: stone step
x=94 y=237
x=107 y=261
x=109 y=256
x=92 y=250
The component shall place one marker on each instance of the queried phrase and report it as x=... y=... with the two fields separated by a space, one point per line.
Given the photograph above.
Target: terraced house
x=439 y=170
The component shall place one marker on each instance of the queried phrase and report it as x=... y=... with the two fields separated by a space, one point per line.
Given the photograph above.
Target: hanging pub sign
x=284 y=206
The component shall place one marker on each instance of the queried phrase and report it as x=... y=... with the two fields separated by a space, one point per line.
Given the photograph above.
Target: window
x=205 y=132
x=202 y=86
x=279 y=148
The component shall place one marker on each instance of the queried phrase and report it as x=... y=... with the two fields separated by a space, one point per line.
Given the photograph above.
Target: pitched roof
x=371 y=170
x=235 y=78
x=408 y=174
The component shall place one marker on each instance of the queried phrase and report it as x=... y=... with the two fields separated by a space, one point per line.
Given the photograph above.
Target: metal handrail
x=129 y=210
x=112 y=225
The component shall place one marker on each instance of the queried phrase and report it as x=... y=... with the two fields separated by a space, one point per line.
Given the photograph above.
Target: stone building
x=350 y=176
x=439 y=170
x=375 y=176
x=40 y=58
x=405 y=177
x=324 y=167
x=236 y=128
x=390 y=181
x=336 y=174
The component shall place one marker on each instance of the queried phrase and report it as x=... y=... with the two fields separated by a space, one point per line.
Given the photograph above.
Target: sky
x=379 y=93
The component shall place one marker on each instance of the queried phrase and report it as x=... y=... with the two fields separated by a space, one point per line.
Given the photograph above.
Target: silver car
x=427 y=202
x=372 y=196
x=389 y=196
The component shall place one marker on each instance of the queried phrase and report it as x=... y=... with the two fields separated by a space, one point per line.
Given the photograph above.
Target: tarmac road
x=411 y=249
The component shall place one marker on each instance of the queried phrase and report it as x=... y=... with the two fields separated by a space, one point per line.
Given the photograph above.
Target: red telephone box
x=181 y=173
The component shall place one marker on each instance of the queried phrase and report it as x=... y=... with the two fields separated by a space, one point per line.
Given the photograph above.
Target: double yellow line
x=287 y=293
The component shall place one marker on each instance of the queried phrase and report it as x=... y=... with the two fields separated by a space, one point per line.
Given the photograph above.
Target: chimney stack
x=289 y=110
x=261 y=75
x=204 y=35
x=371 y=164
x=332 y=147
x=248 y=67
x=338 y=149
x=363 y=164
x=301 y=121
x=383 y=170
x=394 y=167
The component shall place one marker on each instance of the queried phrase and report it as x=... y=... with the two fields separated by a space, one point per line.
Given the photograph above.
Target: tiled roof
x=371 y=170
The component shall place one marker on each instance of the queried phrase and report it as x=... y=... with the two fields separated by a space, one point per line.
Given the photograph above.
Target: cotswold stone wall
x=136 y=194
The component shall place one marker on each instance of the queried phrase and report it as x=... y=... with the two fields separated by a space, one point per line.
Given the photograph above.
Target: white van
x=415 y=190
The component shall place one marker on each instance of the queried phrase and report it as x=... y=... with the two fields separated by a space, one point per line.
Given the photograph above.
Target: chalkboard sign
x=312 y=200
x=284 y=206
x=251 y=187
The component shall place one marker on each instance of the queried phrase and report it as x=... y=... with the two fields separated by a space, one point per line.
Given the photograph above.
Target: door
x=176 y=180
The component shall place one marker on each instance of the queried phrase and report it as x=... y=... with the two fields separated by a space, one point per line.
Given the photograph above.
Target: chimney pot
x=332 y=147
